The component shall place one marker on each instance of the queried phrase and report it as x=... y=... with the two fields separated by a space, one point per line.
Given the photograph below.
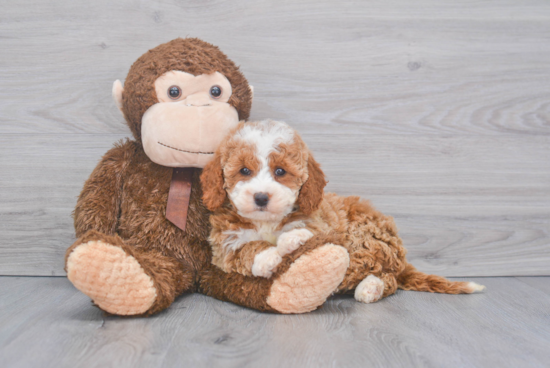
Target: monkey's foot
x=114 y=280
x=310 y=280
x=369 y=290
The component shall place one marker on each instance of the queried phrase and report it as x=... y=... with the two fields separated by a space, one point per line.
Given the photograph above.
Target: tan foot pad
x=113 y=279
x=310 y=280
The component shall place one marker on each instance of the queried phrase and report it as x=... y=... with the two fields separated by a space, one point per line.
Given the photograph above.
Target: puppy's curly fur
x=269 y=158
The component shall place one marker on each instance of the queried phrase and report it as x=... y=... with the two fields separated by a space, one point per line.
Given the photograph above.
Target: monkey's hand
x=290 y=241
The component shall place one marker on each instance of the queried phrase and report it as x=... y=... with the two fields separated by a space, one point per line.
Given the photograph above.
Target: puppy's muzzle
x=261 y=199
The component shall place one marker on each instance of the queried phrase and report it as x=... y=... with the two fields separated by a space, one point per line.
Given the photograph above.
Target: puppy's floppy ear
x=213 y=194
x=311 y=193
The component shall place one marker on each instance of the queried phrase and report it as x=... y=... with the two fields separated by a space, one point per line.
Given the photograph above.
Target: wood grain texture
x=455 y=220
x=353 y=66
x=46 y=322
x=439 y=112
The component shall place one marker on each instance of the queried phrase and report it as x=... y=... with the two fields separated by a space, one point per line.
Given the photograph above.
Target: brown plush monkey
x=140 y=221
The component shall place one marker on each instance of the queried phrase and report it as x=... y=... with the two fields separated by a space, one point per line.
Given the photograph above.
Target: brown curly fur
x=311 y=192
x=123 y=203
x=370 y=237
x=223 y=173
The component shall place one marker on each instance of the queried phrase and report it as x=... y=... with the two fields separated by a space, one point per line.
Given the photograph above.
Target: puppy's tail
x=411 y=279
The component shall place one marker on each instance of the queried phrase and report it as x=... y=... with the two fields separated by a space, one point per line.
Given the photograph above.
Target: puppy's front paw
x=266 y=262
x=290 y=241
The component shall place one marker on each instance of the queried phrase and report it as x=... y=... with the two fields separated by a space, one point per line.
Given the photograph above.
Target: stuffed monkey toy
x=141 y=225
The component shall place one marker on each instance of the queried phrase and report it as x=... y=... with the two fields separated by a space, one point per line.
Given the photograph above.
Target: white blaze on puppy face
x=269 y=141
x=281 y=198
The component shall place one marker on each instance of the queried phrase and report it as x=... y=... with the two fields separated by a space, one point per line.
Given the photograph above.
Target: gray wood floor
x=436 y=110
x=45 y=322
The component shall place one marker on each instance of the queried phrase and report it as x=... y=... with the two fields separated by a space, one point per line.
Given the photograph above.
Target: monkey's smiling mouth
x=186 y=151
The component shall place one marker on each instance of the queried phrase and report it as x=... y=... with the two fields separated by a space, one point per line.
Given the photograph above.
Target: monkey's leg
x=123 y=280
x=301 y=283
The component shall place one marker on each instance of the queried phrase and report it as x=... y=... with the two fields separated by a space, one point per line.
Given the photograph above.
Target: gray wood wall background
x=437 y=111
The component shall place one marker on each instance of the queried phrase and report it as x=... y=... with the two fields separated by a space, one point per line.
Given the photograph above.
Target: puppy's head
x=266 y=171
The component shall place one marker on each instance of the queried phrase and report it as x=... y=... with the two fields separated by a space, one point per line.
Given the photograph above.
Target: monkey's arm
x=98 y=205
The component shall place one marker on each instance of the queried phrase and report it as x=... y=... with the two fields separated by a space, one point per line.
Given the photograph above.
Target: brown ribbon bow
x=179 y=196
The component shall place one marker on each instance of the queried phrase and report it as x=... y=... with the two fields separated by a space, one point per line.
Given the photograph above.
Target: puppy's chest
x=262 y=232
x=267 y=232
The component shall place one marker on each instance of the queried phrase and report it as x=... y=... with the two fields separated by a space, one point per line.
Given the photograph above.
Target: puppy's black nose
x=261 y=199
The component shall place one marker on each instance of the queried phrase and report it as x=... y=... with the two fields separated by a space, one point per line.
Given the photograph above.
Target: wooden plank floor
x=45 y=322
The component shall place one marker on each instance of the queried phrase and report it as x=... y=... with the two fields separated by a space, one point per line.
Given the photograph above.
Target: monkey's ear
x=117 y=94
x=213 y=193
x=251 y=90
x=311 y=193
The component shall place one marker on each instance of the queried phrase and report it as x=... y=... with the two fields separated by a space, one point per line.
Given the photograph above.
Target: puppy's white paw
x=266 y=262
x=290 y=241
x=369 y=290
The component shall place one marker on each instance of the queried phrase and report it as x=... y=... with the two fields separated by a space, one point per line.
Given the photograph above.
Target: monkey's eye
x=174 y=92
x=279 y=171
x=245 y=171
x=215 y=91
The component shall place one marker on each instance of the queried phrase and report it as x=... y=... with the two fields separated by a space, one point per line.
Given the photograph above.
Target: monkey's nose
x=261 y=199
x=197 y=100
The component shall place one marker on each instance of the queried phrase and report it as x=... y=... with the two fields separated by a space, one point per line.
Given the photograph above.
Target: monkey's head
x=180 y=99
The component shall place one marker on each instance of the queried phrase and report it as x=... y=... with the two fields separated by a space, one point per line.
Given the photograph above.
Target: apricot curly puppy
x=266 y=191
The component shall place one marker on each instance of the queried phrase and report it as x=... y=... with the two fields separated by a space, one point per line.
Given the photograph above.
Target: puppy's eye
x=174 y=92
x=245 y=171
x=215 y=91
x=279 y=171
